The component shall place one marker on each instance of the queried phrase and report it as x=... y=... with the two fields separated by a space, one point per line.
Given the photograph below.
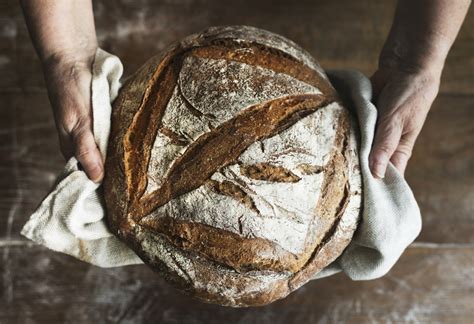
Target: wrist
x=84 y=54
x=81 y=58
x=420 y=58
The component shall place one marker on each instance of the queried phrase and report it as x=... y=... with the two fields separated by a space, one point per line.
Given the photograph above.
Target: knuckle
x=79 y=133
x=384 y=149
x=83 y=124
x=69 y=121
x=391 y=123
x=72 y=119
x=404 y=151
x=66 y=119
x=82 y=153
x=74 y=125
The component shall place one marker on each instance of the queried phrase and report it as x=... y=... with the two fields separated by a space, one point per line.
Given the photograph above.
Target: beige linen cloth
x=71 y=219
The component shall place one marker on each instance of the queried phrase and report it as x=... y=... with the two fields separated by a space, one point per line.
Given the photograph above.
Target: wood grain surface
x=432 y=282
x=423 y=287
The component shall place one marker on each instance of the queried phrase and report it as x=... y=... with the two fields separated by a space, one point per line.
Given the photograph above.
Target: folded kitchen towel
x=391 y=219
x=71 y=219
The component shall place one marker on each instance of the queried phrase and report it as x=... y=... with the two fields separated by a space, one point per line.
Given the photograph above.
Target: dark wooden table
x=432 y=282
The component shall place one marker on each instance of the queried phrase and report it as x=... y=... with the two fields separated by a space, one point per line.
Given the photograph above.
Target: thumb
x=87 y=153
x=387 y=137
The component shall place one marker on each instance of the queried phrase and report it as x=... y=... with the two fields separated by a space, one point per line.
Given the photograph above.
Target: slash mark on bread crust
x=175 y=138
x=307 y=168
x=268 y=172
x=233 y=190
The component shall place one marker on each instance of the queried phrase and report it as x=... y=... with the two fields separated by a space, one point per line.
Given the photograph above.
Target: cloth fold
x=71 y=219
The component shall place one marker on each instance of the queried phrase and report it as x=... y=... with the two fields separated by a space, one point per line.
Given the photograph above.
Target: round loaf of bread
x=232 y=167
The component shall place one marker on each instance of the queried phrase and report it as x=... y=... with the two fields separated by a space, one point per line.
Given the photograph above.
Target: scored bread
x=232 y=167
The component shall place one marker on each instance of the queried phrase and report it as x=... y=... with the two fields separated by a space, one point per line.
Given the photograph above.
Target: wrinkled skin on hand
x=403 y=100
x=69 y=88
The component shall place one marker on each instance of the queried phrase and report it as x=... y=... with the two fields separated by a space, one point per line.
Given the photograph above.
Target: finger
x=387 y=138
x=87 y=153
x=403 y=152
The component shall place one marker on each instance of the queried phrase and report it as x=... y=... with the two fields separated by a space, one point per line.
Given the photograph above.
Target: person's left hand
x=403 y=100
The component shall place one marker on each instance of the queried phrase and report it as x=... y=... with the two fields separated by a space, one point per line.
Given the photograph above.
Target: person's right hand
x=68 y=80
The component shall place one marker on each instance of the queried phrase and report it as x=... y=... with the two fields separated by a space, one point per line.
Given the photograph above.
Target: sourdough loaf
x=232 y=166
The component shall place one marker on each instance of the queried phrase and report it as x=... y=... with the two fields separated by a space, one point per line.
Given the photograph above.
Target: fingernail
x=99 y=179
x=97 y=173
x=378 y=170
x=379 y=165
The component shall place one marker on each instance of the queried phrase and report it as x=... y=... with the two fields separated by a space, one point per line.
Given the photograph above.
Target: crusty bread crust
x=215 y=264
